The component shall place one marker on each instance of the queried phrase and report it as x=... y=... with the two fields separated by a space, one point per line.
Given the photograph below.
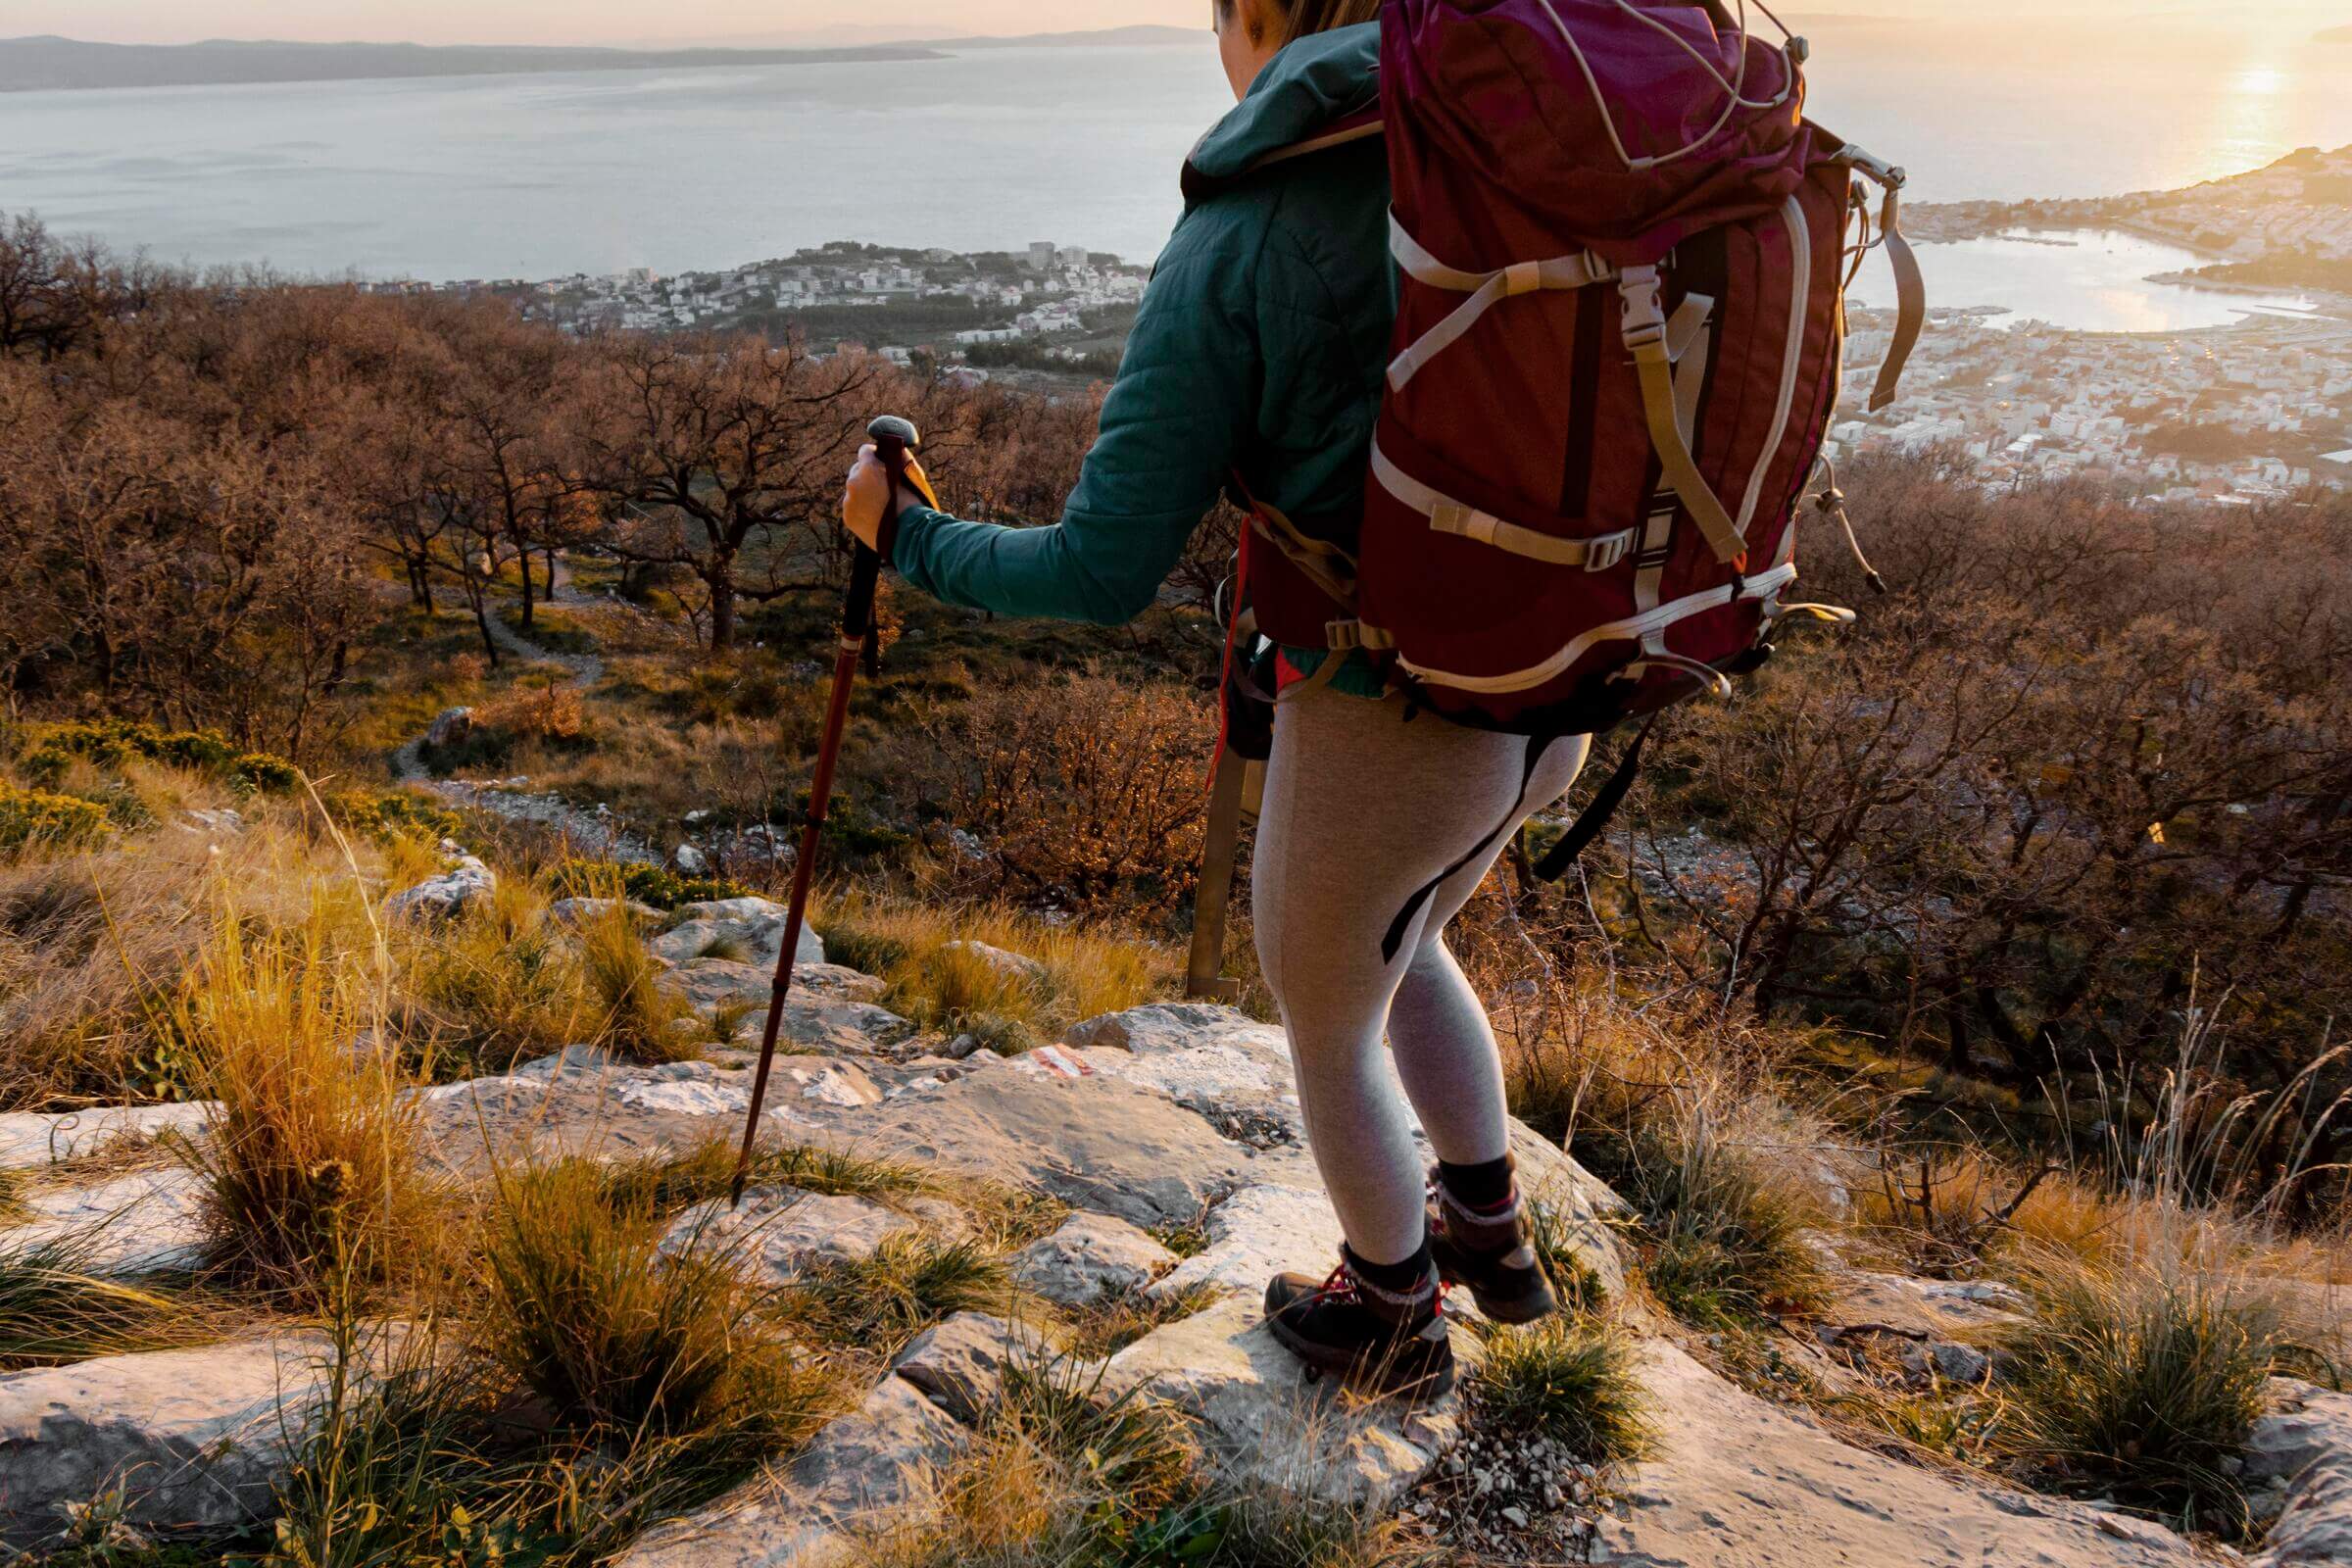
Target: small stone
x=1091 y=1256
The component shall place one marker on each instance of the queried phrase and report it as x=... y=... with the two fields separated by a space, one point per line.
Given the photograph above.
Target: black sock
x=1398 y=1279
x=1482 y=1186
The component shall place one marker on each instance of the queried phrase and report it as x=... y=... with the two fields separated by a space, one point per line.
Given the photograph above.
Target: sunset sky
x=626 y=21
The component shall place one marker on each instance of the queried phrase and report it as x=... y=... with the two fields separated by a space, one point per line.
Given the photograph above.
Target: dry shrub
x=550 y=712
x=640 y=1018
x=1086 y=794
x=310 y=1164
x=1088 y=970
x=94 y=946
x=496 y=985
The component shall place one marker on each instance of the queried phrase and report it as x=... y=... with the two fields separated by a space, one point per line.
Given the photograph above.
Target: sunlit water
x=2101 y=281
x=538 y=176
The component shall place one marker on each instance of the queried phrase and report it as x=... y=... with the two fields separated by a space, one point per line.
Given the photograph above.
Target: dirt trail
x=593 y=830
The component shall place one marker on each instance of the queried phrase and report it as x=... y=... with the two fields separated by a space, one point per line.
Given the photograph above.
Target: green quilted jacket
x=1260 y=347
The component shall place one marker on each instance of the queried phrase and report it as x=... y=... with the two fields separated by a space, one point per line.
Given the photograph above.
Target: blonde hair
x=1301 y=17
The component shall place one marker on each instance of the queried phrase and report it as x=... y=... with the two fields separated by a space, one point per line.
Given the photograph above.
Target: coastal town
x=2241 y=413
x=892 y=300
x=2245 y=412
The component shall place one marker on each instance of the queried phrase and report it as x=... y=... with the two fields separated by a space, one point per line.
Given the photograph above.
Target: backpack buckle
x=1608 y=550
x=1644 y=308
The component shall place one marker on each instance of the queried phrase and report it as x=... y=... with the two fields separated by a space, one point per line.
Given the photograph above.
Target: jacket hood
x=1321 y=79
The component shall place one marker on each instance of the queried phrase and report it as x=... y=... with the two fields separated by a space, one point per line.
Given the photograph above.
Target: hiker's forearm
x=1078 y=569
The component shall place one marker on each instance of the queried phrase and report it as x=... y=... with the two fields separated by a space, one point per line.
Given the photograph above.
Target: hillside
x=43 y=64
x=1930 y=1095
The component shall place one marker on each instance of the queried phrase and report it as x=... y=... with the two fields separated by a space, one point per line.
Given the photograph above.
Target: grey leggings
x=1362 y=808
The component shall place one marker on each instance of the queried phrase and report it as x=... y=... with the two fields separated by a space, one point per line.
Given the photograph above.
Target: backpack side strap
x=1910 y=284
x=1645 y=333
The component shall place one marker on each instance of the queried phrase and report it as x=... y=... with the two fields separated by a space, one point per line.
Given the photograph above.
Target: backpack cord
x=1735 y=86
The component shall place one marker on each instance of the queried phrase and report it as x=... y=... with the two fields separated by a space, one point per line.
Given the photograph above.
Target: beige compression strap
x=1910 y=298
x=1644 y=330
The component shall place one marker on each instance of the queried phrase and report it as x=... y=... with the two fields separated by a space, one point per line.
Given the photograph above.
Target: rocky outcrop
x=142 y=1222
x=1265 y=1428
x=859 y=1473
x=1091 y=1256
x=1740 y=1480
x=743 y=930
x=1015 y=966
x=449 y=727
x=959 y=1361
x=445 y=896
x=35 y=1138
x=779 y=1233
x=194 y=1438
x=2303 y=1451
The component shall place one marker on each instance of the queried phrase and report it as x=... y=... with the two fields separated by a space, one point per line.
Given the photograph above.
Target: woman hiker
x=1259 y=351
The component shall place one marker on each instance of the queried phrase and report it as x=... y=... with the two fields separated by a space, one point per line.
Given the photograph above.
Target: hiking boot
x=1493 y=1252
x=1379 y=1342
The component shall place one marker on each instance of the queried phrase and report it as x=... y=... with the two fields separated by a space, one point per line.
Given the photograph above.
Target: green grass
x=1117 y=1320
x=1720 y=1236
x=54 y=1309
x=583 y=1309
x=1572 y=1379
x=877 y=1304
x=641 y=1016
x=2140 y=1381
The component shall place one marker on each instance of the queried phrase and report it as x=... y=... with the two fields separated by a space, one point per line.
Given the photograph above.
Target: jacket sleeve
x=1173 y=426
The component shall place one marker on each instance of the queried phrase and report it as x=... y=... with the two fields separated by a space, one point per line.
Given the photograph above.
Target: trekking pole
x=895 y=441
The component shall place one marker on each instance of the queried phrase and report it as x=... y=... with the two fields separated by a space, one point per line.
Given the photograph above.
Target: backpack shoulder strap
x=1362 y=126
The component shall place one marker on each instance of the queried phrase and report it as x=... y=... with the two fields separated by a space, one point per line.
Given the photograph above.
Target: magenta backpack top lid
x=1613 y=125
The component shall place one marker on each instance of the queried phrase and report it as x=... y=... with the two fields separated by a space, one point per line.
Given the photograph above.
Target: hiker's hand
x=867 y=499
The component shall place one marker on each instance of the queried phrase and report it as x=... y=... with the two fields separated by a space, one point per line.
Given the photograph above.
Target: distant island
x=49 y=63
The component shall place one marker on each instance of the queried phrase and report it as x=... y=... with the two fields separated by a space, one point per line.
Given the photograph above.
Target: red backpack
x=1623 y=254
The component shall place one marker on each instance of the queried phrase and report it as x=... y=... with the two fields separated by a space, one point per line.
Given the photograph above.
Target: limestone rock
x=143 y=1222
x=861 y=1472
x=579 y=912
x=37 y=1138
x=1095 y=1143
x=1740 y=1480
x=690 y=861
x=1257 y=1233
x=780 y=1232
x=1091 y=1256
x=194 y=1437
x=450 y=726
x=959 y=1361
x=813 y=1020
x=755 y=940
x=1265 y=1428
x=445 y=896
x=1012 y=965
x=2306 y=1443
x=573 y=1063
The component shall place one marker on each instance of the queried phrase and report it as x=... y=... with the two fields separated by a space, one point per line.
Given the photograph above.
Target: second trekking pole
x=896 y=441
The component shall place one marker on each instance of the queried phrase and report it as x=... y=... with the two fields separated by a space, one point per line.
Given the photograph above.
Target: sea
x=538 y=176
